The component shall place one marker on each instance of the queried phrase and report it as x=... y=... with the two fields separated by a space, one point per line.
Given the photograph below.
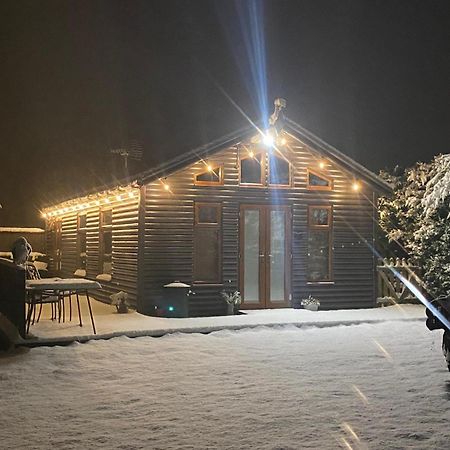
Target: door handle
x=262 y=255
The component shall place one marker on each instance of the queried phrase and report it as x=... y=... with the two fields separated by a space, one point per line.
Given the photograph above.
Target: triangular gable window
x=318 y=181
x=210 y=176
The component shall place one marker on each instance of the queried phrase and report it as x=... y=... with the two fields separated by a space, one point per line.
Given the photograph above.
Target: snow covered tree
x=416 y=218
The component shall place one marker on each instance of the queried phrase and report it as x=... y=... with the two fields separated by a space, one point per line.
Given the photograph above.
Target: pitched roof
x=310 y=139
x=333 y=153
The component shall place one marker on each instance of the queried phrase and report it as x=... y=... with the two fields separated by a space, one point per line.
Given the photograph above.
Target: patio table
x=59 y=286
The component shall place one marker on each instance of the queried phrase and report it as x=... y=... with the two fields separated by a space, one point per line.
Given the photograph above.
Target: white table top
x=62 y=284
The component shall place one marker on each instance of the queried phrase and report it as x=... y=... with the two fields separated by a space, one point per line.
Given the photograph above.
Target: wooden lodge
x=277 y=221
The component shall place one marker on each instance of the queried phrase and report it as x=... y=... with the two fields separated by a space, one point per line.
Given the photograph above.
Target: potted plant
x=310 y=303
x=233 y=300
x=120 y=301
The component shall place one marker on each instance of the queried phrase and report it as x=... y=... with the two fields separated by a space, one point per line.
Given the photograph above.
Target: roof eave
x=333 y=153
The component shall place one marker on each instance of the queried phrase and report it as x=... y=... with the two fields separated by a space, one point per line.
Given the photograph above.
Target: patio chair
x=43 y=297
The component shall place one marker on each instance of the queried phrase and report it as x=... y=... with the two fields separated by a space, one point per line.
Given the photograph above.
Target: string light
x=251 y=154
x=283 y=141
x=321 y=164
x=209 y=168
x=356 y=186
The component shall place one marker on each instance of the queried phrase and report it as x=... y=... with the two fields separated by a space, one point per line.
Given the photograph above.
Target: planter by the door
x=312 y=307
x=230 y=309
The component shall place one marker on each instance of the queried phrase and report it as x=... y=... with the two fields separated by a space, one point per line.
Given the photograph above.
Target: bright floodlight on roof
x=268 y=139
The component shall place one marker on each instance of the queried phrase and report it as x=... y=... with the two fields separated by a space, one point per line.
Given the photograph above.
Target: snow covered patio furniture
x=79 y=286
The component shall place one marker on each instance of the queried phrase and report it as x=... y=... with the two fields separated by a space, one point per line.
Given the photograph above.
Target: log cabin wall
x=124 y=230
x=169 y=231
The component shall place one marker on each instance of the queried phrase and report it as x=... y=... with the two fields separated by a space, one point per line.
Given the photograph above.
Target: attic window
x=279 y=171
x=252 y=169
x=318 y=181
x=212 y=175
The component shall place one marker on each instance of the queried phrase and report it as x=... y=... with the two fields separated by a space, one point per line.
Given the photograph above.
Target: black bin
x=174 y=302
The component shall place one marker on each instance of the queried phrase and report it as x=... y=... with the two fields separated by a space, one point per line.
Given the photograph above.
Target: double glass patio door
x=265 y=256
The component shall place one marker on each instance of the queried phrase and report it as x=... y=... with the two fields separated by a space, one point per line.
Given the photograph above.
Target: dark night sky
x=80 y=77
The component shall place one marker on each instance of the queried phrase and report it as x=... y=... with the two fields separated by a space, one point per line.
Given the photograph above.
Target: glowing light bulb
x=283 y=141
x=166 y=187
x=131 y=194
x=209 y=168
x=251 y=154
x=321 y=164
x=356 y=186
x=118 y=198
x=268 y=139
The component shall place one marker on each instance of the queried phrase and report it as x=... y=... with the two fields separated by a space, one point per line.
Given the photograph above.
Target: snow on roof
x=20 y=230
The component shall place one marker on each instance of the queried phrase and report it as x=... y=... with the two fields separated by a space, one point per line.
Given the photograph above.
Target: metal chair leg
x=40 y=312
x=28 y=318
x=33 y=321
x=79 y=310
x=90 y=312
x=70 y=306
x=62 y=304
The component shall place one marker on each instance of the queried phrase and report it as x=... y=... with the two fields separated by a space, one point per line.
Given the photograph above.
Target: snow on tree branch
x=438 y=186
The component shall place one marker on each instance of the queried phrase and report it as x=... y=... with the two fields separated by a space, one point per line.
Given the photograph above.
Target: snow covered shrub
x=232 y=298
x=310 y=303
x=416 y=218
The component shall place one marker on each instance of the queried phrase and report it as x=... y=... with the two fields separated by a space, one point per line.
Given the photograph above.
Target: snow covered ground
x=364 y=386
x=110 y=324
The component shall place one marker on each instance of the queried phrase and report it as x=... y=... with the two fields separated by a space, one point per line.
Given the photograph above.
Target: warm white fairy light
x=321 y=164
x=283 y=141
x=209 y=168
x=166 y=186
x=356 y=186
x=118 y=198
x=251 y=154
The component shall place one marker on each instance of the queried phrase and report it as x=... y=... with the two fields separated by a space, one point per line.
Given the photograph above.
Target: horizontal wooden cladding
x=206 y=301
x=124 y=247
x=169 y=229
